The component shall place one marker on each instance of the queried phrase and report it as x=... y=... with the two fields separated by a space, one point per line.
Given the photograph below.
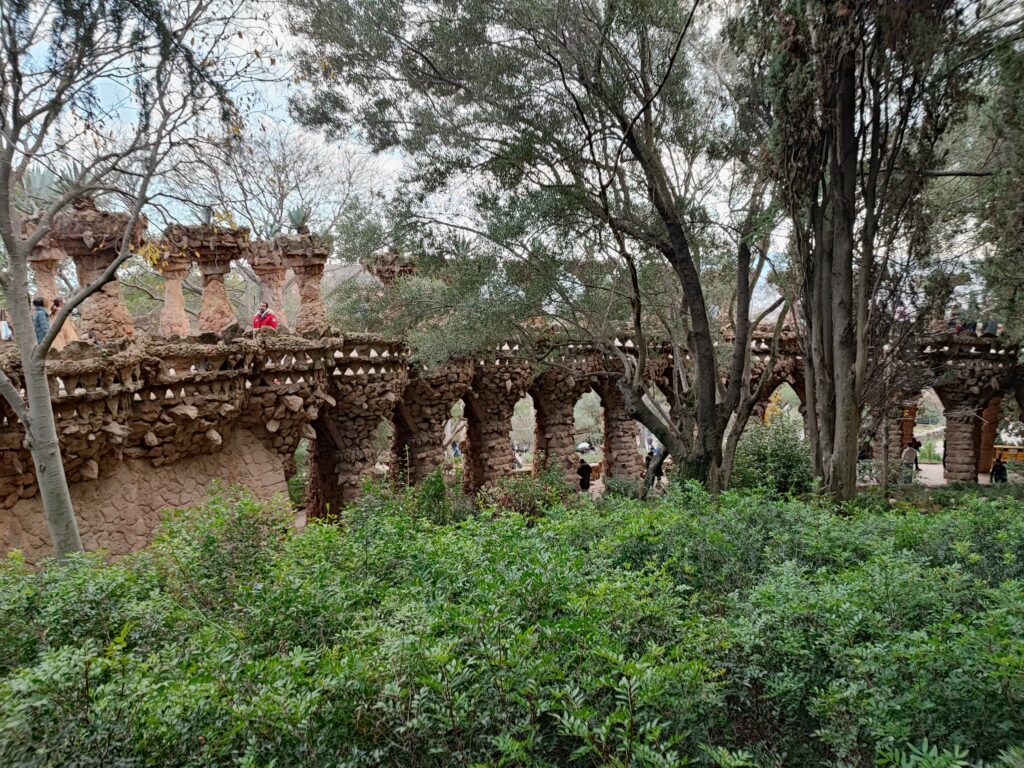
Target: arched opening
x=522 y=433
x=588 y=426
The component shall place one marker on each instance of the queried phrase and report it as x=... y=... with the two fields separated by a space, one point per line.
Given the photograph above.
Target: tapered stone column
x=213 y=248
x=105 y=312
x=46 y=264
x=989 y=431
x=901 y=428
x=92 y=239
x=306 y=254
x=173 y=318
x=215 y=312
x=266 y=263
x=498 y=384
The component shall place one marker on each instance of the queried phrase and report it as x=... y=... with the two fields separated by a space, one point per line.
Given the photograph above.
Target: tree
x=118 y=86
x=592 y=147
x=863 y=93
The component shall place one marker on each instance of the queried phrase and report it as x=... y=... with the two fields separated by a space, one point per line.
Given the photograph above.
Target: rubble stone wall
x=120 y=511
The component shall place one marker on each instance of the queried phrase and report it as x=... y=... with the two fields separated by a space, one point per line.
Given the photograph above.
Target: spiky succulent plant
x=299 y=219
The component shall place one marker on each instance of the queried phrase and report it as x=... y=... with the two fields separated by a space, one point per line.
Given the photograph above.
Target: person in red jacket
x=264 y=318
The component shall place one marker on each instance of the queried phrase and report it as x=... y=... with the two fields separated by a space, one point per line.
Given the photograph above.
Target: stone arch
x=497 y=385
x=343 y=450
x=622 y=458
x=420 y=417
x=555 y=393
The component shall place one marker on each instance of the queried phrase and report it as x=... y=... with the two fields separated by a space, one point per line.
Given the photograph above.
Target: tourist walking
x=6 y=334
x=584 y=471
x=264 y=318
x=40 y=319
x=68 y=332
x=998 y=471
x=909 y=459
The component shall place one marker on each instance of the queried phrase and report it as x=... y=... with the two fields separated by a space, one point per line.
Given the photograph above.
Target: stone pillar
x=622 y=459
x=105 y=312
x=312 y=310
x=45 y=264
x=901 y=428
x=963 y=429
x=306 y=254
x=173 y=318
x=215 y=312
x=554 y=444
x=497 y=386
x=271 y=272
x=989 y=431
x=420 y=418
x=344 y=448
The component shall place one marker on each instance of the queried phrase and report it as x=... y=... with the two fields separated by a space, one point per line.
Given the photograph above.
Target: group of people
x=42 y=318
x=909 y=459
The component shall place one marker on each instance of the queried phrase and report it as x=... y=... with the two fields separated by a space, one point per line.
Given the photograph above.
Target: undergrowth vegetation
x=738 y=631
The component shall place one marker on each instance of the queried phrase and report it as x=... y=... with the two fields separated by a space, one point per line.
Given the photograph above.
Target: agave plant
x=38 y=187
x=299 y=219
x=270 y=231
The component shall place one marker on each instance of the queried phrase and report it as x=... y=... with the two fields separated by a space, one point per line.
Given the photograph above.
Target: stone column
x=622 y=459
x=420 y=418
x=344 y=450
x=173 y=318
x=215 y=312
x=45 y=264
x=497 y=386
x=901 y=428
x=312 y=310
x=271 y=272
x=554 y=444
x=306 y=254
x=105 y=312
x=988 y=433
x=963 y=429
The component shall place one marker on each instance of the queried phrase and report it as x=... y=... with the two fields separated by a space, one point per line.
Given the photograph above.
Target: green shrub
x=773 y=456
x=739 y=630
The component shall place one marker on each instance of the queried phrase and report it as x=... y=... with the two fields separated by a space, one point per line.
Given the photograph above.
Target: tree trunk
x=45 y=448
x=841 y=478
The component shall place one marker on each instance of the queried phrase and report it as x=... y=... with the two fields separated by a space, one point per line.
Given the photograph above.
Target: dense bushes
x=774 y=457
x=738 y=631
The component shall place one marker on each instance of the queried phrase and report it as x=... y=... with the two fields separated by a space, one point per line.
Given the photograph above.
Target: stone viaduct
x=146 y=423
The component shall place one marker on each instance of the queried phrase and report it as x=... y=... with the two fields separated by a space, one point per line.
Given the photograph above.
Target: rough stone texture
x=173 y=318
x=45 y=264
x=266 y=263
x=213 y=248
x=365 y=383
x=306 y=254
x=420 y=418
x=498 y=384
x=989 y=432
x=554 y=394
x=215 y=312
x=622 y=459
x=969 y=372
x=119 y=511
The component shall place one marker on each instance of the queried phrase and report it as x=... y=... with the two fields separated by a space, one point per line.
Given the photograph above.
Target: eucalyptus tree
x=118 y=87
x=586 y=149
x=863 y=93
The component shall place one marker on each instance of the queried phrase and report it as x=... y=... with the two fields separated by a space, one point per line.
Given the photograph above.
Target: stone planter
x=213 y=248
x=306 y=254
x=266 y=263
x=92 y=239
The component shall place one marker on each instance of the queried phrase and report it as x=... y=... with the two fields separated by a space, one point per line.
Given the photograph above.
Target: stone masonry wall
x=120 y=511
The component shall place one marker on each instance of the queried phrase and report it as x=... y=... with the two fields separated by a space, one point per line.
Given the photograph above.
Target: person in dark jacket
x=40 y=318
x=999 y=471
x=584 y=470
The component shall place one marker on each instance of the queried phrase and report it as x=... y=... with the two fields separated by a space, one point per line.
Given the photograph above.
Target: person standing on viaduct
x=264 y=318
